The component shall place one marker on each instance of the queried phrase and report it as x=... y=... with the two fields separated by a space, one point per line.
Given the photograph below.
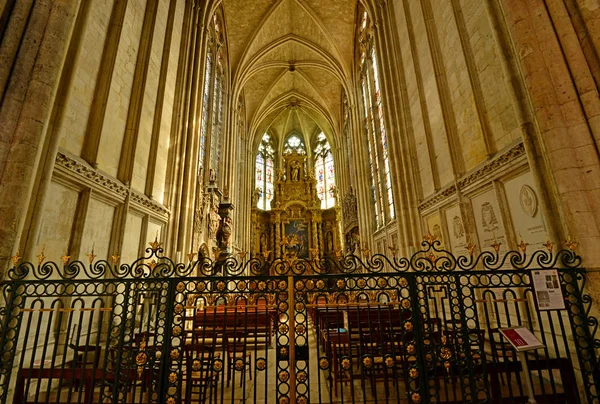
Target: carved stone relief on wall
x=488 y=218
x=434 y=226
x=457 y=233
x=349 y=210
x=523 y=206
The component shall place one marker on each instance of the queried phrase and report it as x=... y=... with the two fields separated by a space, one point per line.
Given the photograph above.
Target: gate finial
x=17 y=257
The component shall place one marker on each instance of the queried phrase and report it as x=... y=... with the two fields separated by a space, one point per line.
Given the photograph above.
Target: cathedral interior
x=236 y=132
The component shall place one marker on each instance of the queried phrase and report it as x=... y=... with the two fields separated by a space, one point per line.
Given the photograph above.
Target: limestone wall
x=101 y=159
x=498 y=101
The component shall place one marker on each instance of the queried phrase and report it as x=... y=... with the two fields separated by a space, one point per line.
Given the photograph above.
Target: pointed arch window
x=324 y=172
x=374 y=124
x=294 y=143
x=213 y=99
x=205 y=110
x=264 y=172
x=347 y=138
x=217 y=120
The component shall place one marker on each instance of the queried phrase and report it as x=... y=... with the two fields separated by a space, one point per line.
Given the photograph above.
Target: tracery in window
x=294 y=144
x=213 y=99
x=383 y=138
x=217 y=120
x=264 y=172
x=347 y=138
x=205 y=110
x=324 y=172
x=374 y=124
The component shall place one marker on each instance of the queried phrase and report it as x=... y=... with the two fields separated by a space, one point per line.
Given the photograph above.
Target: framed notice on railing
x=521 y=338
x=548 y=292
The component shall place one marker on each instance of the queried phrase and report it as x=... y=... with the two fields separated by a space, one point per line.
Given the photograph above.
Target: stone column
x=563 y=130
x=26 y=109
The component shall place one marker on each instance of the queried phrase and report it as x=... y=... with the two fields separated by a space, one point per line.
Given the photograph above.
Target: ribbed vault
x=291 y=60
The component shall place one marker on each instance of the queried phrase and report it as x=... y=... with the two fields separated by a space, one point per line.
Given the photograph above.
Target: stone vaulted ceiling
x=291 y=59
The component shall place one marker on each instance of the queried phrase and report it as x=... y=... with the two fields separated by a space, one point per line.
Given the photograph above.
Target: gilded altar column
x=320 y=235
x=255 y=235
x=314 y=234
x=277 y=247
x=315 y=237
x=338 y=227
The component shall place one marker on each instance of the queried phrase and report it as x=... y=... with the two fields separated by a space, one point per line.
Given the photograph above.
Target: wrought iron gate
x=423 y=329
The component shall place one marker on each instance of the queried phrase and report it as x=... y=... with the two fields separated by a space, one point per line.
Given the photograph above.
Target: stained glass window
x=294 y=144
x=264 y=172
x=324 y=172
x=375 y=128
x=205 y=109
x=383 y=138
x=213 y=100
x=217 y=120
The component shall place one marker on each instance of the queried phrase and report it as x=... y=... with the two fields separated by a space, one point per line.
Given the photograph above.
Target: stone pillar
x=564 y=128
x=25 y=112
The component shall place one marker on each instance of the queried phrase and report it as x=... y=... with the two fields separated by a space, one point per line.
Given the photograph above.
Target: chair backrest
x=196 y=351
x=236 y=341
x=87 y=355
x=499 y=347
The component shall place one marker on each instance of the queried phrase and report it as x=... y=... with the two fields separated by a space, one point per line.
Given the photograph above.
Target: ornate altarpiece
x=296 y=218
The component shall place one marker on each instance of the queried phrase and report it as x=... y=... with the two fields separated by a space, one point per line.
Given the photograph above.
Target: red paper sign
x=515 y=338
x=521 y=338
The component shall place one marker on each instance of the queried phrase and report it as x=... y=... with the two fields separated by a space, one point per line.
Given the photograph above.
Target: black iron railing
x=424 y=329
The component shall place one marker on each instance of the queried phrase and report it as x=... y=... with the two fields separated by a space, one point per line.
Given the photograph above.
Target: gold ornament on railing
x=65 y=258
x=290 y=257
x=217 y=252
x=432 y=257
x=17 y=257
x=242 y=255
x=523 y=245
x=266 y=254
x=285 y=241
x=470 y=246
x=155 y=245
x=338 y=254
x=116 y=257
x=191 y=256
x=496 y=245
x=42 y=257
x=394 y=249
x=142 y=357
x=314 y=253
x=91 y=255
x=570 y=243
x=366 y=252
x=548 y=244
x=430 y=238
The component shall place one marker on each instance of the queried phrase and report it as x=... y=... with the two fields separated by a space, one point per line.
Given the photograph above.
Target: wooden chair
x=200 y=378
x=337 y=346
x=86 y=356
x=239 y=356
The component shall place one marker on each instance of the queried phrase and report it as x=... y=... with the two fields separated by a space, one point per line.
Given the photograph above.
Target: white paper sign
x=521 y=338
x=548 y=292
